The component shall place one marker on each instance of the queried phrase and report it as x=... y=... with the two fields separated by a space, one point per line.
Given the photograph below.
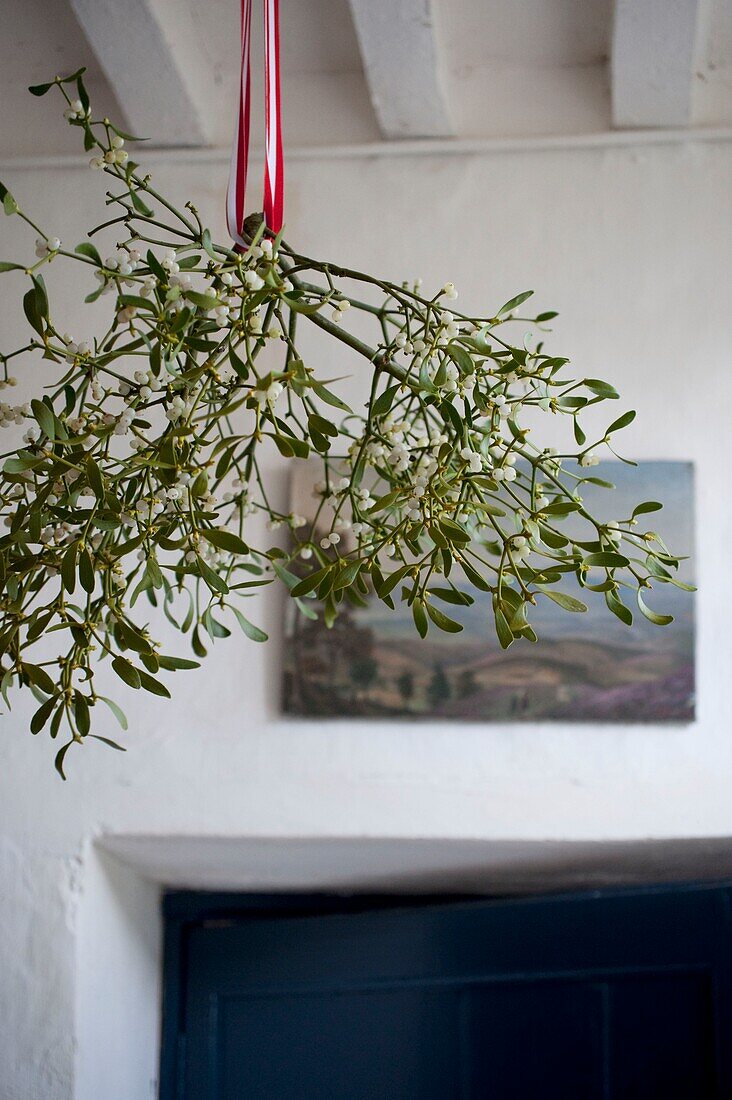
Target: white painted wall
x=118 y=982
x=633 y=247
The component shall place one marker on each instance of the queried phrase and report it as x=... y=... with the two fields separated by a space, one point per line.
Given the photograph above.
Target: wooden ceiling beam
x=401 y=63
x=654 y=58
x=157 y=77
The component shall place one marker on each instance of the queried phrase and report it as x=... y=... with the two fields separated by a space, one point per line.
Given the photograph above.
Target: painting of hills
x=584 y=668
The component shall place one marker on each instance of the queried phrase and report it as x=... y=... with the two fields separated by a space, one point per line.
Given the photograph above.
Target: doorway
x=591 y=996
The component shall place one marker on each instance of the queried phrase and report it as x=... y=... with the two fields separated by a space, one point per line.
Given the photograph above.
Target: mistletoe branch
x=140 y=468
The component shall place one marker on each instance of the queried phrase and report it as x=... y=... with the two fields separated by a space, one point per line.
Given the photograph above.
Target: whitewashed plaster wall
x=633 y=246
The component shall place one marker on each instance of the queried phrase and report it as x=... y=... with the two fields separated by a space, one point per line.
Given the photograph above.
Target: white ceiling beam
x=401 y=63
x=654 y=58
x=159 y=80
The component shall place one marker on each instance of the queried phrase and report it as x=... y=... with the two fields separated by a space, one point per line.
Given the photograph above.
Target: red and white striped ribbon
x=274 y=176
x=273 y=162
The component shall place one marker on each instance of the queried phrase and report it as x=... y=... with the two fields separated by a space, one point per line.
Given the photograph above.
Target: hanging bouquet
x=141 y=467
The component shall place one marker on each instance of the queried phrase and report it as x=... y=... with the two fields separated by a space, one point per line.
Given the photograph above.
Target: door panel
x=536 y=1040
x=360 y=1045
x=662 y=1037
x=608 y=996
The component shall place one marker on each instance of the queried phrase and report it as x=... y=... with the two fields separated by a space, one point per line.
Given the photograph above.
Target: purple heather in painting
x=584 y=668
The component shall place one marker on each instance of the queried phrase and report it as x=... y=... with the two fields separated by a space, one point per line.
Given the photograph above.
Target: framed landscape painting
x=585 y=668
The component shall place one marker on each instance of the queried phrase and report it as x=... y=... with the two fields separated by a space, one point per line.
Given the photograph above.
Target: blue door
x=614 y=995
